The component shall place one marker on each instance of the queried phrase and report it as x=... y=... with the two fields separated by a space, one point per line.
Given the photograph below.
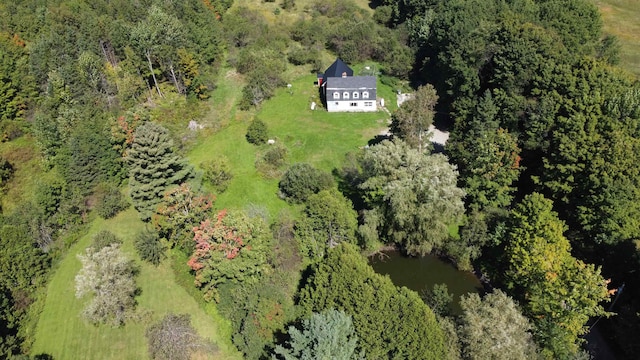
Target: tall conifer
x=153 y=167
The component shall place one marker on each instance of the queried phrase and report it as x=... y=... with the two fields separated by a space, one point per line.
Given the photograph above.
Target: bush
x=110 y=202
x=48 y=196
x=383 y=15
x=288 y=4
x=439 y=299
x=272 y=160
x=6 y=171
x=302 y=180
x=217 y=172
x=149 y=246
x=257 y=132
x=103 y=239
x=175 y=338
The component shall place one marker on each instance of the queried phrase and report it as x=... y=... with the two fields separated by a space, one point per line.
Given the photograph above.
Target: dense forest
x=103 y=105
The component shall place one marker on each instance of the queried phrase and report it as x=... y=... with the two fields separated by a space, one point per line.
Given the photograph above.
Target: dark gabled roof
x=337 y=68
x=351 y=83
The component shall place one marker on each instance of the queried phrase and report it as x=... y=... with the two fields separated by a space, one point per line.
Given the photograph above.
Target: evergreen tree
x=153 y=167
x=149 y=246
x=390 y=322
x=257 y=133
x=326 y=335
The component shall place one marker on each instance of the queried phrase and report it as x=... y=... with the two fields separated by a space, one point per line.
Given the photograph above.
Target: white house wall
x=345 y=106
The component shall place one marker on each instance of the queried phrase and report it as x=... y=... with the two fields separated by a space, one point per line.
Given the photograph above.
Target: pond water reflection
x=420 y=273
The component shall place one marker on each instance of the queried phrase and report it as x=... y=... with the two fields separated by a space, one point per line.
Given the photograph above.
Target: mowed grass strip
x=312 y=136
x=64 y=334
x=622 y=19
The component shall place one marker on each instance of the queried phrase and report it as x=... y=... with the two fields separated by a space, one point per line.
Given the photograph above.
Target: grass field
x=23 y=155
x=62 y=333
x=316 y=137
x=622 y=19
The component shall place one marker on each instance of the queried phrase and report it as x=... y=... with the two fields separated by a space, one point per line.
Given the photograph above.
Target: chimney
x=344 y=74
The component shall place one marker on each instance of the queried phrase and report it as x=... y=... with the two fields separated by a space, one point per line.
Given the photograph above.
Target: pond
x=420 y=273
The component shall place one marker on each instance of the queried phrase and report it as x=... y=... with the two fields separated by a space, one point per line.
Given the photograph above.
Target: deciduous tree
x=413 y=195
x=155 y=36
x=109 y=276
x=558 y=292
x=412 y=119
x=257 y=132
x=302 y=180
x=230 y=248
x=16 y=83
x=182 y=208
x=494 y=328
x=487 y=155
x=103 y=239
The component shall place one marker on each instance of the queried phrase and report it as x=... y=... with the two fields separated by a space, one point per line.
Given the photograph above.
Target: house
x=343 y=92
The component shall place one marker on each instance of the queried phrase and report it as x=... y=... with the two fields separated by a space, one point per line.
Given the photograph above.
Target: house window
x=355 y=95
x=345 y=95
x=368 y=103
x=365 y=94
x=336 y=95
x=353 y=104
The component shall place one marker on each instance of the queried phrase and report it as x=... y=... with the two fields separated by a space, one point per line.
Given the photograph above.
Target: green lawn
x=622 y=19
x=62 y=333
x=316 y=137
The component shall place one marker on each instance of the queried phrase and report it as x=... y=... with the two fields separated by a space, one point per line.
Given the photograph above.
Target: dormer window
x=365 y=94
x=355 y=95
x=336 y=95
x=345 y=95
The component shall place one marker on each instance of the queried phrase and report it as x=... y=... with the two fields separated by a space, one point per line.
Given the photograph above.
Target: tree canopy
x=231 y=247
x=109 y=276
x=390 y=322
x=153 y=167
x=494 y=328
x=326 y=335
x=412 y=119
x=329 y=220
x=411 y=197
x=559 y=292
